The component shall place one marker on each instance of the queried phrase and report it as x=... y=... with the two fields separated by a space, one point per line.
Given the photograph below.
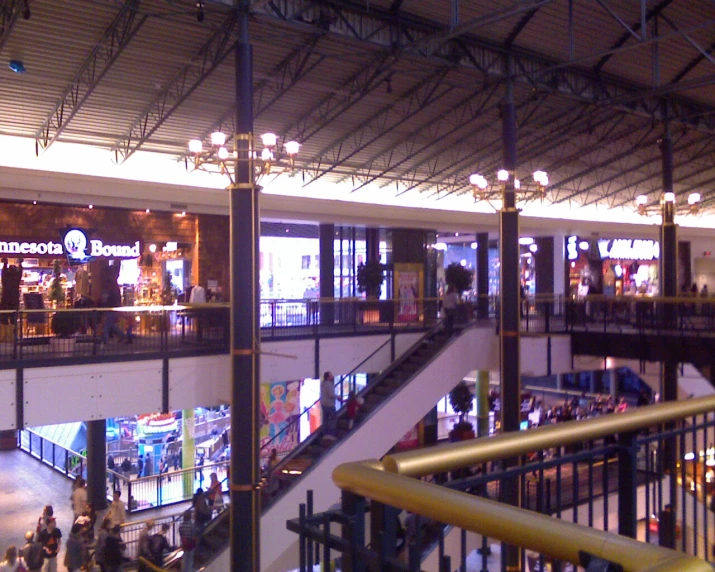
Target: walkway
x=26 y=486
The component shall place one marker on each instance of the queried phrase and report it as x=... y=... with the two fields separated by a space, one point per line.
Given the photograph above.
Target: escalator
x=394 y=402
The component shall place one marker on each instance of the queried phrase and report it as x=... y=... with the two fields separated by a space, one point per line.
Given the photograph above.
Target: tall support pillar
x=97 y=463
x=482 y=394
x=372 y=244
x=669 y=288
x=326 y=246
x=509 y=307
x=245 y=508
x=482 y=275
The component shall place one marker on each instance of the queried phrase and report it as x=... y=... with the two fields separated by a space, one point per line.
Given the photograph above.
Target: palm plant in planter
x=461 y=399
x=459 y=276
x=56 y=292
x=370 y=277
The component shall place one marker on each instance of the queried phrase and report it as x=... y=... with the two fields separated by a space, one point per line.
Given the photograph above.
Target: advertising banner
x=280 y=406
x=408 y=290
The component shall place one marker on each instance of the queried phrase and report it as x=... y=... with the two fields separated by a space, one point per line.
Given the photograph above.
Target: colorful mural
x=280 y=405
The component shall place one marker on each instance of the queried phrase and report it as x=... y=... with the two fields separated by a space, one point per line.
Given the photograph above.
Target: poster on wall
x=408 y=291
x=410 y=440
x=280 y=406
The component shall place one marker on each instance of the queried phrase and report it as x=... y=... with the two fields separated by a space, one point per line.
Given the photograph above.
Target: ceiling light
x=266 y=154
x=583 y=245
x=541 y=177
x=533 y=248
x=517 y=184
x=152 y=248
x=669 y=197
x=269 y=139
x=641 y=200
x=440 y=246
x=456 y=234
x=526 y=240
x=34 y=202
x=503 y=175
x=91 y=206
x=195 y=146
x=222 y=153
x=147 y=211
x=693 y=198
x=473 y=246
x=183 y=213
x=218 y=138
x=17 y=66
x=292 y=147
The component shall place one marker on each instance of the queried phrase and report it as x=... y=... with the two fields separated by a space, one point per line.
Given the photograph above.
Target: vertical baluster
x=684 y=497
x=326 y=541
x=302 y=539
x=696 y=482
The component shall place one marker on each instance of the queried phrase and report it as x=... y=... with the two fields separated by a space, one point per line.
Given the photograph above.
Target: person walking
x=79 y=498
x=32 y=553
x=148 y=466
x=113 y=548
x=117 y=513
x=215 y=493
x=51 y=540
x=140 y=467
x=126 y=467
x=189 y=540
x=327 y=404
x=449 y=305
x=99 y=547
x=12 y=561
x=73 y=552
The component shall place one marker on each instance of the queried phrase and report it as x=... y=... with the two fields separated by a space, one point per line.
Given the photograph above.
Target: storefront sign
x=35 y=248
x=628 y=249
x=80 y=249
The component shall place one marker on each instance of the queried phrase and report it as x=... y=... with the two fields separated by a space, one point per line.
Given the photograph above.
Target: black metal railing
x=649 y=476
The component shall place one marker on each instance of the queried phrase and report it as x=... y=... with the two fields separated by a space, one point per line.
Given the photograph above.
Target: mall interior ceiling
x=404 y=94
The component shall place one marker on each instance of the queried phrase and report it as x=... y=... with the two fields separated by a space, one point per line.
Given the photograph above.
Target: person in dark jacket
x=113 y=548
x=74 y=551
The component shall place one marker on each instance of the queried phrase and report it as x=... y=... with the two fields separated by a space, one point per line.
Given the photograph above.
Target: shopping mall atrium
x=401 y=284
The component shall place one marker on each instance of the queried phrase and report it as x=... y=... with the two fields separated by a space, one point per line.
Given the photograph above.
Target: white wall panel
x=95 y=391
x=297 y=360
x=560 y=354
x=341 y=355
x=199 y=381
x=534 y=356
x=7 y=399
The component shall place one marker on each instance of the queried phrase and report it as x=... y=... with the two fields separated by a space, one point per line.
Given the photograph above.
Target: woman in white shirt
x=12 y=560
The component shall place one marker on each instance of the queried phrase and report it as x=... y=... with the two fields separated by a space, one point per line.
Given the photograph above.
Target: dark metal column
x=482 y=275
x=326 y=246
x=245 y=341
x=669 y=288
x=97 y=463
x=509 y=307
x=372 y=244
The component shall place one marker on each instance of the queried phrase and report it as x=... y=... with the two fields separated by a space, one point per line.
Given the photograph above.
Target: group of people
x=581 y=407
x=43 y=545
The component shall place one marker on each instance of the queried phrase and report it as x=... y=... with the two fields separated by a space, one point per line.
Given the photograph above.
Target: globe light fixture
x=668 y=203
x=503 y=175
x=482 y=189
x=216 y=157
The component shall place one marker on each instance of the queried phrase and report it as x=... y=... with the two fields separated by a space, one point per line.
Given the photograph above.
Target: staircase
x=305 y=461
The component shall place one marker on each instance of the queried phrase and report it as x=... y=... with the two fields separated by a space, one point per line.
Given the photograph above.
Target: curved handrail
x=353 y=371
x=392 y=481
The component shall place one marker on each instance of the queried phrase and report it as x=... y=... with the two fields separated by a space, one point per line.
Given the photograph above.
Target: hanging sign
x=629 y=249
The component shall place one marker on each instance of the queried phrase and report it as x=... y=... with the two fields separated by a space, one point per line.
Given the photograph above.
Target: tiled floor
x=26 y=486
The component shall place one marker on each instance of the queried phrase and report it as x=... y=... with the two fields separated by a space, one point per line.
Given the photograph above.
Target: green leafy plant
x=370 y=277
x=461 y=400
x=458 y=276
x=65 y=323
x=56 y=292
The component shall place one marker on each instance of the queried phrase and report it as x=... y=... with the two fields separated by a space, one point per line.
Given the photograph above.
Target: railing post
x=129 y=493
x=354 y=507
x=383 y=532
x=302 y=539
x=627 y=486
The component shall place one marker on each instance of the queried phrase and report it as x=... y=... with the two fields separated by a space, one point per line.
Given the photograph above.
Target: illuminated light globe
x=478 y=180
x=669 y=197
x=292 y=147
x=503 y=175
x=266 y=154
x=222 y=153
x=218 y=139
x=693 y=198
x=641 y=200
x=195 y=146
x=517 y=184
x=541 y=178
x=269 y=139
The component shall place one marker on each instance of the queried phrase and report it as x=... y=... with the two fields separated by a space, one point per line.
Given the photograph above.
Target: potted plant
x=56 y=292
x=460 y=278
x=65 y=324
x=461 y=399
x=370 y=277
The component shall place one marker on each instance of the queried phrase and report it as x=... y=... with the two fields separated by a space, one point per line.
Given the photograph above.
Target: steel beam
x=379 y=27
x=427 y=92
x=112 y=43
x=358 y=85
x=184 y=83
x=9 y=13
x=281 y=79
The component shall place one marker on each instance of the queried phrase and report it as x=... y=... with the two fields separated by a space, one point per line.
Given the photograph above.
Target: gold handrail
x=390 y=482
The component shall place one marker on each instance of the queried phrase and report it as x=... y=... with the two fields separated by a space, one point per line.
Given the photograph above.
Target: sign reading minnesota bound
x=80 y=249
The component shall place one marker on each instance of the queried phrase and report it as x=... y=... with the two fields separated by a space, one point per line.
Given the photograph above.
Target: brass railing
x=393 y=483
